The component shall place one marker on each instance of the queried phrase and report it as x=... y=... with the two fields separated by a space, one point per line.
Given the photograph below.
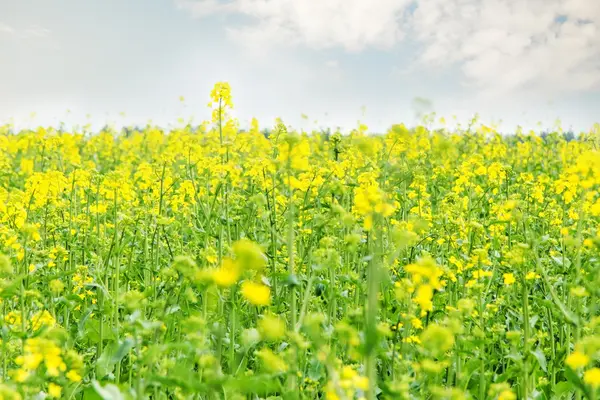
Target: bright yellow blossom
x=256 y=293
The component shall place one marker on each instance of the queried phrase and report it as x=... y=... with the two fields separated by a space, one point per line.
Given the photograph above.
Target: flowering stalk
x=373 y=282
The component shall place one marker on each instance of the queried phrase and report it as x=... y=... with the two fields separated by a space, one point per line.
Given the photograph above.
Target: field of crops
x=216 y=264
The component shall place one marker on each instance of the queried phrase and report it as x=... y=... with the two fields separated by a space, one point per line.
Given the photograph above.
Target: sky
x=128 y=62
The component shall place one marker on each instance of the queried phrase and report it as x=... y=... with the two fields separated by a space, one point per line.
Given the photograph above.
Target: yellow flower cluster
x=36 y=352
x=212 y=259
x=348 y=382
x=425 y=278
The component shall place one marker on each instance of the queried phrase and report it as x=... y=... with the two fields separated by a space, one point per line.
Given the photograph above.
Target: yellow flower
x=31 y=361
x=21 y=375
x=592 y=377
x=54 y=390
x=73 y=376
x=226 y=275
x=256 y=293
x=577 y=360
x=271 y=327
x=509 y=279
x=330 y=392
x=437 y=339
x=27 y=166
x=221 y=92
x=12 y=318
x=531 y=275
x=54 y=363
x=507 y=395
x=347 y=372
x=369 y=198
x=42 y=319
x=417 y=323
x=579 y=291
x=423 y=298
x=361 y=382
x=412 y=339
x=368 y=222
x=271 y=361
x=249 y=255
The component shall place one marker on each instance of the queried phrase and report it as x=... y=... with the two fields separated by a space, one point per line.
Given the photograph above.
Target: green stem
x=371 y=337
x=525 y=295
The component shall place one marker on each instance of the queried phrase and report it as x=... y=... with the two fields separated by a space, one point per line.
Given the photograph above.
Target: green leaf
x=259 y=385
x=92 y=331
x=517 y=357
x=111 y=355
x=538 y=395
x=539 y=355
x=108 y=392
x=315 y=370
x=576 y=380
x=292 y=280
x=122 y=350
x=12 y=288
x=470 y=367
x=90 y=394
x=563 y=389
x=104 y=366
x=99 y=287
x=559 y=261
x=182 y=377
x=82 y=322
x=566 y=313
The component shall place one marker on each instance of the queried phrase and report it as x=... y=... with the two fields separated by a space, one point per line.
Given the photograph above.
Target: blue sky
x=337 y=61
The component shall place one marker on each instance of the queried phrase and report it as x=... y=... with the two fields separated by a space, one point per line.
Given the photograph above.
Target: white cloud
x=33 y=31
x=351 y=24
x=36 y=32
x=203 y=8
x=505 y=45
x=6 y=29
x=500 y=45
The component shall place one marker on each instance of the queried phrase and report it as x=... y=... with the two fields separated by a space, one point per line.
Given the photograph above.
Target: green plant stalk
x=305 y=302
x=526 y=334
x=482 y=385
x=579 y=239
x=552 y=348
x=332 y=311
x=292 y=385
x=116 y=283
x=290 y=244
x=70 y=244
x=4 y=349
x=232 y=327
x=272 y=232
x=373 y=279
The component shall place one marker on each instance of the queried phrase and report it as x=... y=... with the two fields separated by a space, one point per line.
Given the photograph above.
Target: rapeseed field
x=213 y=263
